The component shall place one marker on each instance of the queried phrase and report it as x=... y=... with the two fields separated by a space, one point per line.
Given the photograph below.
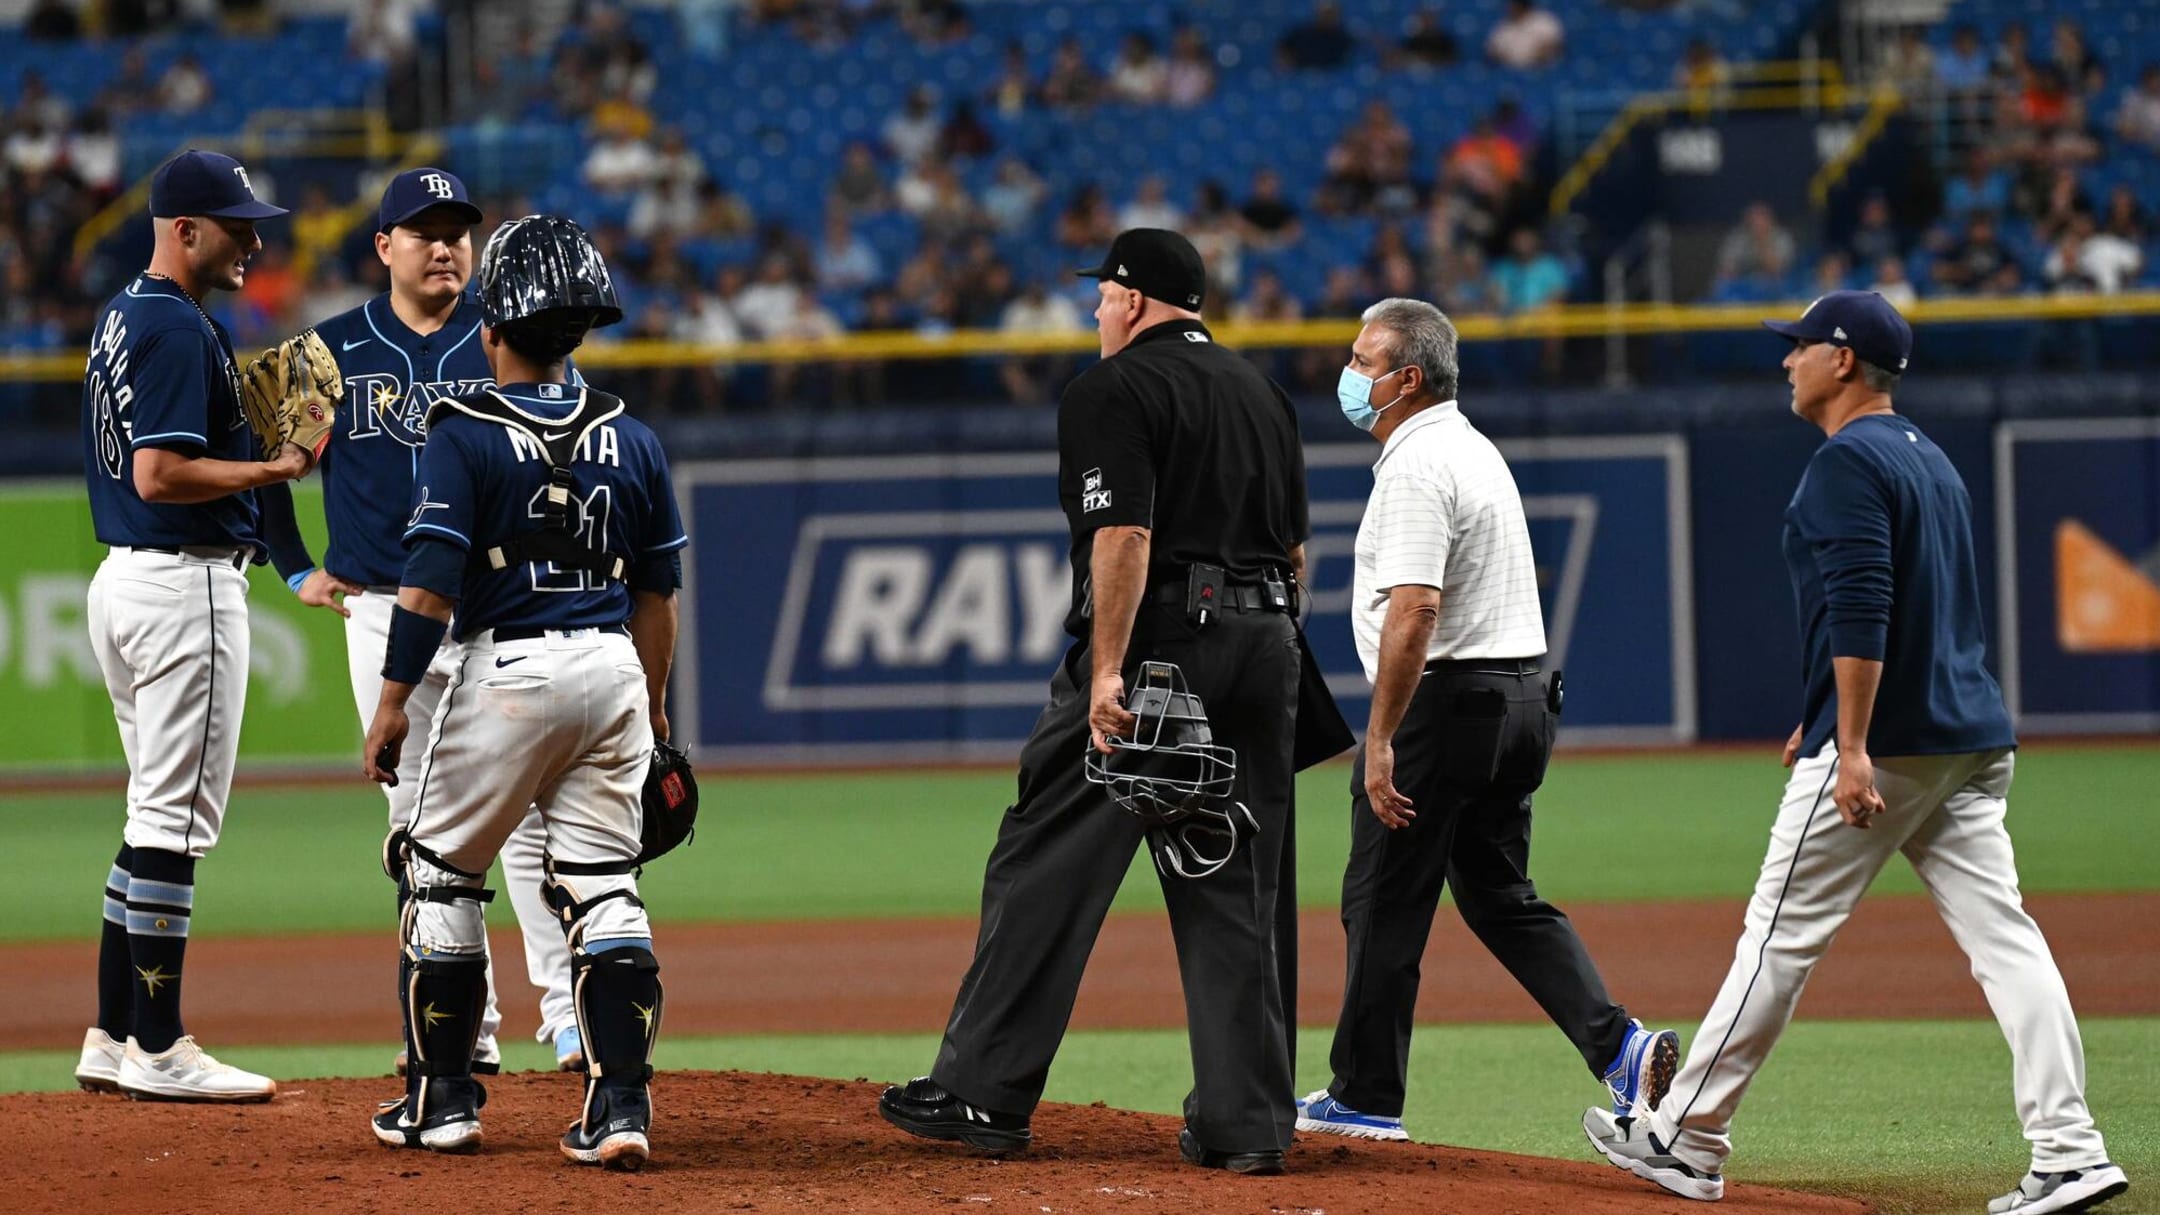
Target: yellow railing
x=1885 y=106
x=1777 y=85
x=1565 y=321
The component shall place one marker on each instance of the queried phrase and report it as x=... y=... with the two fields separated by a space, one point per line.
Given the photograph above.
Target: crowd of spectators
x=2018 y=215
x=1454 y=221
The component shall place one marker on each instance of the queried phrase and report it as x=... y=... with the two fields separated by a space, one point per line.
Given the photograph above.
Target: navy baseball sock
x=161 y=895
x=115 y=977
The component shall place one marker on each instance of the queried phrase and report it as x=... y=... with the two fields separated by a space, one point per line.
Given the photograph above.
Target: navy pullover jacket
x=1879 y=542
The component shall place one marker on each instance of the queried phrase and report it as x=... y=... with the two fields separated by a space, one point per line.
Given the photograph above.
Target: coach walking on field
x=1444 y=602
x=1903 y=746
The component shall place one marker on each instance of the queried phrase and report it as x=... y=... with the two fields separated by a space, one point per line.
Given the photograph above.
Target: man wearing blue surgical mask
x=1354 y=389
x=1444 y=605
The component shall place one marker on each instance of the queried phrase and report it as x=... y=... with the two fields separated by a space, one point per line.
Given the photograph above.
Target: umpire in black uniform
x=1179 y=467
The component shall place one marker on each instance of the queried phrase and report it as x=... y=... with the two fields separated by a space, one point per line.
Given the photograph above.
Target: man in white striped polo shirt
x=1444 y=604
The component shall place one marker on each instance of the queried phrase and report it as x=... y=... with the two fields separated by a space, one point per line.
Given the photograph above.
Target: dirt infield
x=1664 y=960
x=727 y=1141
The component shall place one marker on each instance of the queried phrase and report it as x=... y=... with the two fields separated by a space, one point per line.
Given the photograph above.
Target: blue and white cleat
x=1644 y=1071
x=1322 y=1114
x=569 y=1050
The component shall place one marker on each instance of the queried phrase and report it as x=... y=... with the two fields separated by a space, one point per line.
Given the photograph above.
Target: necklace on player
x=232 y=368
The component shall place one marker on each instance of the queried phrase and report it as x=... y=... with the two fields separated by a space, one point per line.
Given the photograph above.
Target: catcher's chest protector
x=555 y=440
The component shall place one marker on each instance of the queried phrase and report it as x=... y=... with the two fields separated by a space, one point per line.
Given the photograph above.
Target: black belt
x=1484 y=666
x=1232 y=599
x=239 y=559
x=521 y=632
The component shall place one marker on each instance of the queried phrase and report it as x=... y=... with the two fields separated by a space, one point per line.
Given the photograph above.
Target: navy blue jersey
x=482 y=484
x=1879 y=542
x=392 y=375
x=161 y=374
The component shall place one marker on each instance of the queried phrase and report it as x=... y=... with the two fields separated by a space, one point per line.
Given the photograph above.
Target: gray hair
x=1422 y=337
x=1879 y=379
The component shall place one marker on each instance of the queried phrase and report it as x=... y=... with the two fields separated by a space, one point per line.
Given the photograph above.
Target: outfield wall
x=908 y=607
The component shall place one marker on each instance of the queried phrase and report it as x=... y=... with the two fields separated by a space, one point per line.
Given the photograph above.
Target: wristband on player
x=295 y=581
x=413 y=641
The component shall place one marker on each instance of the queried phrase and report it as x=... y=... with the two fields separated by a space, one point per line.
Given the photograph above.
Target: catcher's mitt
x=290 y=394
x=671 y=802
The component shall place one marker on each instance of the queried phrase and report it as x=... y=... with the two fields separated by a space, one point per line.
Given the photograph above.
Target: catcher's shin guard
x=618 y=1000
x=443 y=1000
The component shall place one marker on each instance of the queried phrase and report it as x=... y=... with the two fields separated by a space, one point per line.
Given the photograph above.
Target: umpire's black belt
x=1233 y=599
x=1483 y=666
x=521 y=632
x=237 y=557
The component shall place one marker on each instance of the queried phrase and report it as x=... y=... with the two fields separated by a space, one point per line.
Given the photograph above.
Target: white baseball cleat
x=99 y=1070
x=186 y=1072
x=1628 y=1143
x=2069 y=1190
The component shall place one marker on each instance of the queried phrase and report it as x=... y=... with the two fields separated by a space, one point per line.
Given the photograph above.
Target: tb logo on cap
x=245 y=184
x=438 y=185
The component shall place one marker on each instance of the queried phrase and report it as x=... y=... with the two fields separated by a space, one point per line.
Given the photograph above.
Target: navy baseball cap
x=205 y=183
x=417 y=190
x=1156 y=262
x=1861 y=321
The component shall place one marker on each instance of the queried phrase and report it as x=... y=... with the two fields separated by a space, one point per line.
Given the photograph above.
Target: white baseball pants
x=1945 y=813
x=170 y=632
x=547 y=955
x=559 y=722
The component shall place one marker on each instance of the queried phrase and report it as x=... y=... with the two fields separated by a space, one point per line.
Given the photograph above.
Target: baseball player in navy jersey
x=1904 y=746
x=173 y=472
x=545 y=521
x=399 y=353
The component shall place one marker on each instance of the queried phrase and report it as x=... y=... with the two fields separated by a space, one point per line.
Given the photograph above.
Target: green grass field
x=1914 y=1115
x=909 y=844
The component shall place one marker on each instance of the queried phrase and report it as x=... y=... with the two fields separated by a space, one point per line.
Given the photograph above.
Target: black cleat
x=923 y=1108
x=449 y=1120
x=1252 y=1164
x=615 y=1134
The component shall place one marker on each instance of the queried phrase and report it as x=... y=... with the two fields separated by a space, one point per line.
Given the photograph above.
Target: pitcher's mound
x=738 y=1142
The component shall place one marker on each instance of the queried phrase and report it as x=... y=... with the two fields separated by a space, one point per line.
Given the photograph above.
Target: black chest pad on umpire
x=557 y=440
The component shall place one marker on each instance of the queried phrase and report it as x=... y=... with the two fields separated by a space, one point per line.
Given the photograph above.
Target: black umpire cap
x=1156 y=262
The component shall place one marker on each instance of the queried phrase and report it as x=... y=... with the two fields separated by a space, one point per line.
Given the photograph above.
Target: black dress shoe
x=1252 y=1164
x=923 y=1107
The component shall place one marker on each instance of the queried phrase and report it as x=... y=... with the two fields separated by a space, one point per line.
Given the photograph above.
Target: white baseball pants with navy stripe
x=170 y=631
x=1945 y=813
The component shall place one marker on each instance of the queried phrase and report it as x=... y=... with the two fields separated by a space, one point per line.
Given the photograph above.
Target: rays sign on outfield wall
x=913 y=607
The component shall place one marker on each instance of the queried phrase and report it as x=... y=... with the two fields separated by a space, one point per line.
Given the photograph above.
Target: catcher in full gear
x=545 y=518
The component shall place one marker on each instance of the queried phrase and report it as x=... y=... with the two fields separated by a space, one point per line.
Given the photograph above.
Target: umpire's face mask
x=1354 y=392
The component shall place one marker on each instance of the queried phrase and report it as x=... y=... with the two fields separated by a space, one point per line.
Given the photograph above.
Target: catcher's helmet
x=1174 y=777
x=542 y=265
